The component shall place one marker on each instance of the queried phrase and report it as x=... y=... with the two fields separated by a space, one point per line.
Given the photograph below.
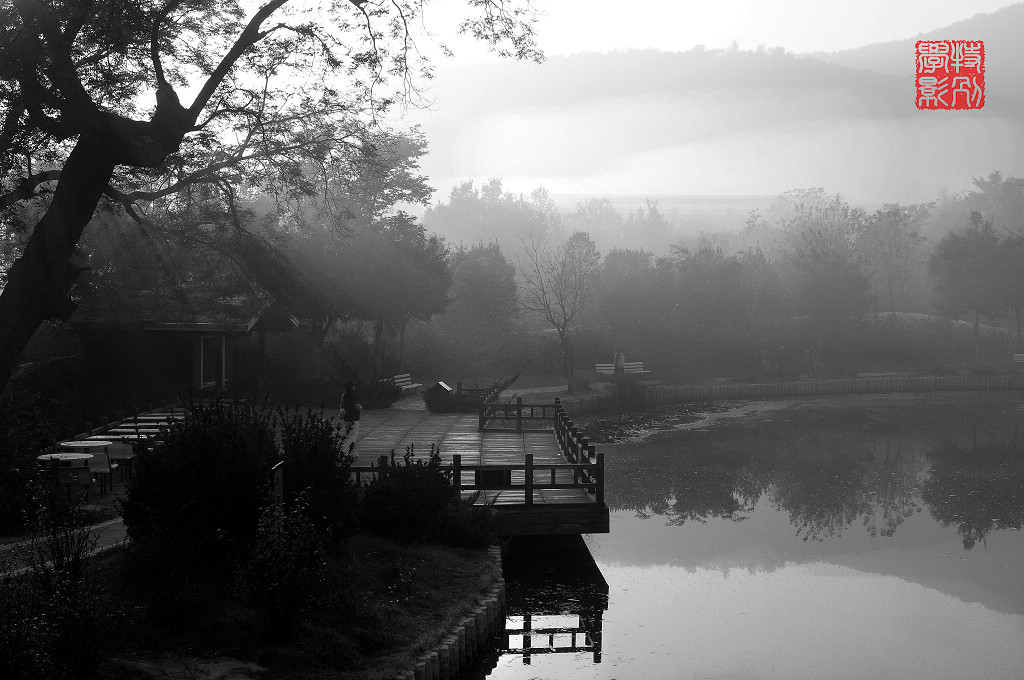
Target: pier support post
x=529 y=480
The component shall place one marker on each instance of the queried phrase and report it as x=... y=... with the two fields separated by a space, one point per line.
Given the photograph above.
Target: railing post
x=529 y=479
x=585 y=443
x=457 y=474
x=600 y=478
x=519 y=414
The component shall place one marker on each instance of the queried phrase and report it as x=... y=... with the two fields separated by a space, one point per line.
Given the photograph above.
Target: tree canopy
x=130 y=101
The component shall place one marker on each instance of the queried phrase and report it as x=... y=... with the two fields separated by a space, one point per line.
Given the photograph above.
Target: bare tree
x=557 y=280
x=892 y=244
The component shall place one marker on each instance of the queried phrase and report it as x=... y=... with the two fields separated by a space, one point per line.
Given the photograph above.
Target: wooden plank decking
x=561 y=510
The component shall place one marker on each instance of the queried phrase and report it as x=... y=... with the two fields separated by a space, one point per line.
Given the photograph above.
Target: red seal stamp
x=950 y=74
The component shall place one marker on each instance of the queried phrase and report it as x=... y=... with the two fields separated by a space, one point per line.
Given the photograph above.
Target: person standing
x=620 y=362
x=350 y=408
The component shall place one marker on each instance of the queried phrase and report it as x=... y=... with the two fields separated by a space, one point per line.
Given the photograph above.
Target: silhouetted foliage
x=316 y=472
x=193 y=502
x=409 y=499
x=286 y=568
x=25 y=433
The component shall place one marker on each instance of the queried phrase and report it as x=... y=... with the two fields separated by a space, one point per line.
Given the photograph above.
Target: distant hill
x=707 y=122
x=1004 y=51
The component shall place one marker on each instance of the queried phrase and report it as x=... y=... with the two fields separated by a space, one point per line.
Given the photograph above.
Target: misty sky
x=601 y=145
x=569 y=26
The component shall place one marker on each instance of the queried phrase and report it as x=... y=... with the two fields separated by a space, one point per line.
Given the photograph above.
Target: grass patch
x=390 y=603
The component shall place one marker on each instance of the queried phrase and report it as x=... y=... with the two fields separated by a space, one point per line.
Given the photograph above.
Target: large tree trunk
x=566 y=345
x=977 y=334
x=401 y=346
x=38 y=281
x=378 y=347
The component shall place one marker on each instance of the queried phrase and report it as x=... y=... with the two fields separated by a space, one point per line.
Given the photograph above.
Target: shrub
x=194 y=501
x=408 y=500
x=24 y=433
x=439 y=401
x=317 y=466
x=379 y=394
x=286 y=568
x=469 y=525
x=73 y=613
x=53 y=622
x=23 y=645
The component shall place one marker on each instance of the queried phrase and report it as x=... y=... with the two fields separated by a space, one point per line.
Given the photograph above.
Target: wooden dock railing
x=585 y=463
x=516 y=411
x=583 y=467
x=589 y=476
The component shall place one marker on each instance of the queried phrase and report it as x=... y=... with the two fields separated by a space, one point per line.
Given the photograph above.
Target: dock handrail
x=585 y=463
x=589 y=475
x=517 y=411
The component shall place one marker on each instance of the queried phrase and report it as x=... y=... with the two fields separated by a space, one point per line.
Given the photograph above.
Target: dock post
x=519 y=414
x=457 y=474
x=585 y=446
x=529 y=479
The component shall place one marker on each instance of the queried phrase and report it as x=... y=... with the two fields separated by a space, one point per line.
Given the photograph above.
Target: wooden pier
x=526 y=461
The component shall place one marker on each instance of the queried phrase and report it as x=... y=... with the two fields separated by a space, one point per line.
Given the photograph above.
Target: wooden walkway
x=573 y=508
x=380 y=432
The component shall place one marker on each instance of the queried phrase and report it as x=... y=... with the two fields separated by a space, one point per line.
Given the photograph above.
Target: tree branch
x=154 y=41
x=26 y=187
x=249 y=37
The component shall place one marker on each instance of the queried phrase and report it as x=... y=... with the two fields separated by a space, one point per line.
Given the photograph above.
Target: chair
x=101 y=467
x=76 y=479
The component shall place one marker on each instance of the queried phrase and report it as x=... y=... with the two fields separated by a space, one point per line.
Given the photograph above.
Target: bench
x=1018 y=358
x=404 y=380
x=630 y=367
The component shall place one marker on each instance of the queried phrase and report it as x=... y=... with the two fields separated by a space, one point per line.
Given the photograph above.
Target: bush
x=380 y=394
x=414 y=501
x=23 y=644
x=53 y=622
x=408 y=501
x=194 y=502
x=317 y=466
x=24 y=434
x=286 y=569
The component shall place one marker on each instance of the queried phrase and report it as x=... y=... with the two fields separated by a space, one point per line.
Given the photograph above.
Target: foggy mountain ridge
x=719 y=122
x=1000 y=31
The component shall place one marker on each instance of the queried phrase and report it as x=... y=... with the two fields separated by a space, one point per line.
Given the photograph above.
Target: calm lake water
x=848 y=537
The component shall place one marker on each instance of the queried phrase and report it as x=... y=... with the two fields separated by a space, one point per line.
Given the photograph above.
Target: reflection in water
x=555 y=599
x=977 y=489
x=850 y=538
x=830 y=471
